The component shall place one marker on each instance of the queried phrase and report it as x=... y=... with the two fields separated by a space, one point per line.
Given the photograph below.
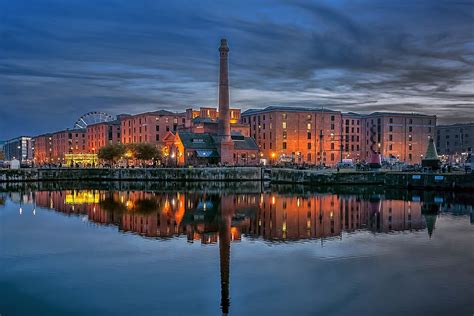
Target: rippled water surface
x=242 y=250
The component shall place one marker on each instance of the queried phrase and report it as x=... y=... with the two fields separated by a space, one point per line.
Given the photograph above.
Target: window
x=284 y=135
x=332 y=125
x=308 y=126
x=309 y=135
x=284 y=145
x=309 y=157
x=308 y=117
x=157 y=137
x=390 y=137
x=284 y=125
x=333 y=118
x=410 y=147
x=390 y=128
x=391 y=120
x=332 y=145
x=390 y=147
x=309 y=145
x=167 y=128
x=283 y=116
x=410 y=138
x=332 y=157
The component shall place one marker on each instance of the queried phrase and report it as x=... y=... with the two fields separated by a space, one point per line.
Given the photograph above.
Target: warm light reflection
x=269 y=216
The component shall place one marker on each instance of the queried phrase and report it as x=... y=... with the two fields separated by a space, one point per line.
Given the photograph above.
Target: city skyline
x=62 y=61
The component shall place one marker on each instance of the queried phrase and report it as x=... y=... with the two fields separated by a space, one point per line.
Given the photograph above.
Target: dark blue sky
x=60 y=59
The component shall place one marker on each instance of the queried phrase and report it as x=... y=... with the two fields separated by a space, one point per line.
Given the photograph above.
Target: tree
x=111 y=152
x=2 y=155
x=144 y=151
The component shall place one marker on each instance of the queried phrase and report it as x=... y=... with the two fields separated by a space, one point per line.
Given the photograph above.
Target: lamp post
x=341 y=146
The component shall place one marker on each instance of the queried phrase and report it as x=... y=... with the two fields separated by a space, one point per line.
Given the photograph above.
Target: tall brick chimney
x=226 y=145
x=224 y=113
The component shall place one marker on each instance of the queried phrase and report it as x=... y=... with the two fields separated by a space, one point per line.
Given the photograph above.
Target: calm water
x=241 y=251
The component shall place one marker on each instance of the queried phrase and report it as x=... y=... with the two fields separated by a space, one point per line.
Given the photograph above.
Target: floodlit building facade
x=150 y=127
x=102 y=134
x=43 y=149
x=326 y=137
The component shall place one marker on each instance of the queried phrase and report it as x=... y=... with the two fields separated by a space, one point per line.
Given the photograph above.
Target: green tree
x=144 y=151
x=111 y=152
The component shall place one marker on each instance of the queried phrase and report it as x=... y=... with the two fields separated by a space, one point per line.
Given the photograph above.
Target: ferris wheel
x=92 y=118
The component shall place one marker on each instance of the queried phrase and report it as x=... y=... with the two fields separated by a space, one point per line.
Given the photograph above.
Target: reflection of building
x=271 y=216
x=20 y=148
x=320 y=216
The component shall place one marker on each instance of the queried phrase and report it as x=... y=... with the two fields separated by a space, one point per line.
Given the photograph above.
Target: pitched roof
x=245 y=143
x=196 y=140
x=274 y=108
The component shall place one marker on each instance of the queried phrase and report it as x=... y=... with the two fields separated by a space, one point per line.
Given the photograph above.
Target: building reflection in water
x=223 y=219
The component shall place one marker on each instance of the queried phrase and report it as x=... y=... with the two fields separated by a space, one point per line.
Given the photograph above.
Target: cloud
x=59 y=60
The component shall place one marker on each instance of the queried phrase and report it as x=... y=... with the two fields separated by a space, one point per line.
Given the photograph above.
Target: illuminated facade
x=321 y=136
x=398 y=136
x=150 y=127
x=102 y=134
x=43 y=149
x=299 y=135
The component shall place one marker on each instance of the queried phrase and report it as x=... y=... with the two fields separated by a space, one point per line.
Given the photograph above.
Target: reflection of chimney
x=224 y=252
x=224 y=115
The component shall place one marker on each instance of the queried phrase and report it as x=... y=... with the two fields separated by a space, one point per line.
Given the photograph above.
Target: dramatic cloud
x=60 y=59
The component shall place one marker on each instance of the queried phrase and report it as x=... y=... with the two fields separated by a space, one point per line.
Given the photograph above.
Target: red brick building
x=321 y=136
x=43 y=149
x=398 y=136
x=299 y=135
x=102 y=134
x=53 y=148
x=150 y=127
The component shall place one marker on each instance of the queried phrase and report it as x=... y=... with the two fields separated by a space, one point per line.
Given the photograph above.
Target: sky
x=62 y=58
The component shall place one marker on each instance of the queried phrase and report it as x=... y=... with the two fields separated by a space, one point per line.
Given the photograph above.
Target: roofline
x=325 y=110
x=455 y=125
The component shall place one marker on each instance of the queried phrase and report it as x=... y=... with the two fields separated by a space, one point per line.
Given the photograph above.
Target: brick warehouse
x=323 y=136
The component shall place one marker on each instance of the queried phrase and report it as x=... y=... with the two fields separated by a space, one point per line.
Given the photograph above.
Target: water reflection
x=224 y=218
x=271 y=216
